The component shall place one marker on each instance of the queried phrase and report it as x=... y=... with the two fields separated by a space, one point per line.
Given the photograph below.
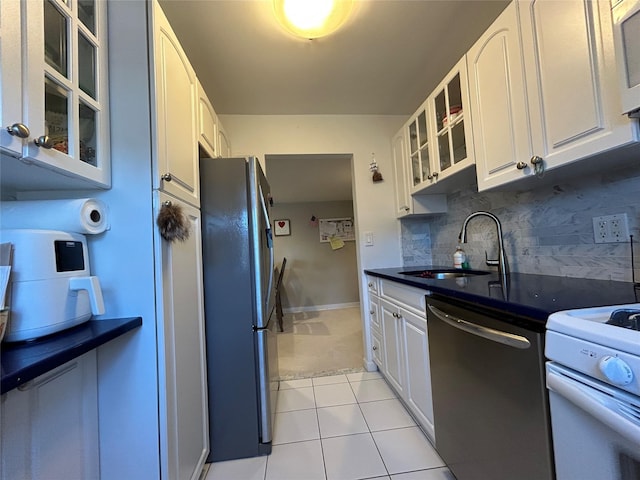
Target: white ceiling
x=385 y=61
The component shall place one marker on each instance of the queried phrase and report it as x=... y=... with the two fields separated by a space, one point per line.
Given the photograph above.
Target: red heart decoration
x=281 y=224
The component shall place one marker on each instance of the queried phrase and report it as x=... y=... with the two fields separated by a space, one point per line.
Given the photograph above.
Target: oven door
x=596 y=427
x=626 y=32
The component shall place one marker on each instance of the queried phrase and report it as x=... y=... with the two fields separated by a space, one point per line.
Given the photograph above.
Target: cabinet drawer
x=408 y=297
x=372 y=285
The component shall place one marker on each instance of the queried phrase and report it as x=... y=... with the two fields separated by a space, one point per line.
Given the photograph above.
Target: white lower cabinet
x=404 y=355
x=49 y=425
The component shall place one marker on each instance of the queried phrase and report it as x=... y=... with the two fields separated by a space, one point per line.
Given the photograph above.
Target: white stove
x=593 y=378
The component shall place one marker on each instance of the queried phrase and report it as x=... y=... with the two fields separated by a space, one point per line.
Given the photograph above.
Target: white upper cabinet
x=55 y=96
x=452 y=140
x=499 y=104
x=403 y=196
x=207 y=124
x=571 y=79
x=176 y=93
x=440 y=143
x=550 y=99
x=224 y=145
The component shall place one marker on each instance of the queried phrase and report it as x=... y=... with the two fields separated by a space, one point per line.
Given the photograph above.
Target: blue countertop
x=24 y=361
x=532 y=296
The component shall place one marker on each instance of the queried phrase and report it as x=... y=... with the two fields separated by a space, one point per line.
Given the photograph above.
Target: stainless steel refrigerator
x=239 y=299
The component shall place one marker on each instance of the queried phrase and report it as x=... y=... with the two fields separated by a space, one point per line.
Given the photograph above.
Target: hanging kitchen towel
x=81 y=215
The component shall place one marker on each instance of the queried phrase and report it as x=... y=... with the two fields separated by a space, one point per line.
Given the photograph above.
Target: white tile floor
x=340 y=427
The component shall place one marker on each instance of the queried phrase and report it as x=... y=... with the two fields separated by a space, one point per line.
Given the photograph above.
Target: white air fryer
x=51 y=285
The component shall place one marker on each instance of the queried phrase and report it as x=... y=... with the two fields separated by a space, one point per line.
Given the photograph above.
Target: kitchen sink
x=440 y=273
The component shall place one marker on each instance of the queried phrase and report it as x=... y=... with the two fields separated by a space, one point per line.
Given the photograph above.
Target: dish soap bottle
x=459 y=257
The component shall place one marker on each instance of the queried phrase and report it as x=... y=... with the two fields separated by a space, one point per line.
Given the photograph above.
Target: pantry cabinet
x=54 y=90
x=207 y=124
x=549 y=99
x=50 y=424
x=175 y=91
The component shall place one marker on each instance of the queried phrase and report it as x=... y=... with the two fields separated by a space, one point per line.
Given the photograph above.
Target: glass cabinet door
x=419 y=149
x=66 y=86
x=450 y=124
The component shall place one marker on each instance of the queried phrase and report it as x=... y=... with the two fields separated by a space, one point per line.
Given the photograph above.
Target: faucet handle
x=491 y=263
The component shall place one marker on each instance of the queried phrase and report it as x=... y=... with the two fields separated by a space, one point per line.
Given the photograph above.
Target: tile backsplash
x=547 y=230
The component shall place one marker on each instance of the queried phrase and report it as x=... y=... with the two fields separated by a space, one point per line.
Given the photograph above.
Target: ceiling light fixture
x=312 y=18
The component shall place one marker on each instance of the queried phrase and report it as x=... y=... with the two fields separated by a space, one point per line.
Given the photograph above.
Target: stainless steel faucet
x=501 y=262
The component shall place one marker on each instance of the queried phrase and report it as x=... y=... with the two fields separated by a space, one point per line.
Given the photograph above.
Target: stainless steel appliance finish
x=239 y=303
x=501 y=262
x=490 y=406
x=594 y=393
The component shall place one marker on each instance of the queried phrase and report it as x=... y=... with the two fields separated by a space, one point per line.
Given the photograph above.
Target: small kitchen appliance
x=51 y=285
x=593 y=378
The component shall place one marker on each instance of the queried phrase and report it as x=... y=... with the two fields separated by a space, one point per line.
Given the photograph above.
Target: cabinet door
x=50 y=424
x=452 y=139
x=418 y=374
x=176 y=100
x=207 y=124
x=10 y=78
x=65 y=87
x=419 y=148
x=184 y=416
x=403 y=196
x=392 y=342
x=571 y=79
x=224 y=146
x=498 y=103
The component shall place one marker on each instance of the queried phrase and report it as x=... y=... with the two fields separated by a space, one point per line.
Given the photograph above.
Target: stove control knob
x=616 y=370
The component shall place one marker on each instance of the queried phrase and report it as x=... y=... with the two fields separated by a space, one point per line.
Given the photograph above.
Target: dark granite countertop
x=24 y=361
x=526 y=295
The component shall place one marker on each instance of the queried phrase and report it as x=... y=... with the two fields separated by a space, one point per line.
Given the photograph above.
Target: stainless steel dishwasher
x=491 y=409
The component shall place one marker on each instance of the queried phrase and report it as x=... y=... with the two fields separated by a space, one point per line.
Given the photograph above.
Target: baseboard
x=318 y=308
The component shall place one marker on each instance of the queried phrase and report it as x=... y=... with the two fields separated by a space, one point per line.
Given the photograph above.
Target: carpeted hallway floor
x=320 y=343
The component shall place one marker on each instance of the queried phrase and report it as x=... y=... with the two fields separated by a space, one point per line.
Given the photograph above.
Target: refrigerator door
x=262 y=242
x=268 y=383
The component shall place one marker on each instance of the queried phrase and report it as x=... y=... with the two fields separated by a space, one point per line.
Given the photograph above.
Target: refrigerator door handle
x=264 y=387
x=269 y=243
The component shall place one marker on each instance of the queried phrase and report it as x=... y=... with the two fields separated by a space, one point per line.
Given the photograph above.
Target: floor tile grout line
x=324 y=463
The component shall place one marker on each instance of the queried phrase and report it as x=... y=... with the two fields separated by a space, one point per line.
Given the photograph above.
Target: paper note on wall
x=336 y=243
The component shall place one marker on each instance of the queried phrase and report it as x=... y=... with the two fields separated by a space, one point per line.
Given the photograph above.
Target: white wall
x=359 y=135
x=315 y=276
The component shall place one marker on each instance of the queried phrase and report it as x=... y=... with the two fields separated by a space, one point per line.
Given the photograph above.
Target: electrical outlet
x=611 y=228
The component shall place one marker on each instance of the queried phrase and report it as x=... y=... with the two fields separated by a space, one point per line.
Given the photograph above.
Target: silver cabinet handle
x=371 y=312
x=521 y=165
x=19 y=130
x=167 y=177
x=375 y=348
x=536 y=160
x=505 y=338
x=43 y=141
x=435 y=174
x=370 y=285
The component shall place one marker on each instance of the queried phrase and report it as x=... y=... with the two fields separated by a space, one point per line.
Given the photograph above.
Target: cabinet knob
x=371 y=312
x=535 y=160
x=375 y=348
x=521 y=165
x=370 y=285
x=435 y=174
x=406 y=209
x=167 y=177
x=430 y=177
x=43 y=141
x=19 y=130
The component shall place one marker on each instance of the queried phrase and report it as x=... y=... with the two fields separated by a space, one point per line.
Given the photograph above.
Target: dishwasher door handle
x=499 y=336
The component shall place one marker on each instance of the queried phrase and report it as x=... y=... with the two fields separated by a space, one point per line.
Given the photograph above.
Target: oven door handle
x=616 y=414
x=506 y=338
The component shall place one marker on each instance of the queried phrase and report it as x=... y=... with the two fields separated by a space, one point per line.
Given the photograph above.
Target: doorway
x=322 y=329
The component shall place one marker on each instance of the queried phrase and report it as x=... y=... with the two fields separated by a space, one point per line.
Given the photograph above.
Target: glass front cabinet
x=64 y=118
x=440 y=140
